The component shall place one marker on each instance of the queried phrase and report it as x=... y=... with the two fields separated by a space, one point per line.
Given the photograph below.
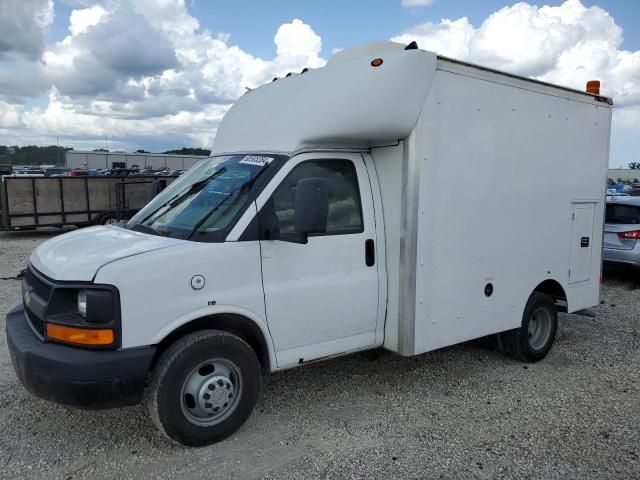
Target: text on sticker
x=256 y=160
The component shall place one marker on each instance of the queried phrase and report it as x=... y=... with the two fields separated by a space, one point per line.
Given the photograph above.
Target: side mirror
x=312 y=206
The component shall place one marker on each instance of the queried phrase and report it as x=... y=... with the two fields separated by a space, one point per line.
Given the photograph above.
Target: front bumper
x=91 y=379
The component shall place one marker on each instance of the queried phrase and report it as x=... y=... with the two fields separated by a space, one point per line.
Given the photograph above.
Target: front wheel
x=533 y=340
x=203 y=388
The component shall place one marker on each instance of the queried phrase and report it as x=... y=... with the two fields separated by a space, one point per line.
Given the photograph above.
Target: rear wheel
x=109 y=218
x=204 y=387
x=534 y=338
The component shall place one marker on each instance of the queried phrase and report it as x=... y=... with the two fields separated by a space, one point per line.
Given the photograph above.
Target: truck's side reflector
x=376 y=62
x=80 y=336
x=634 y=234
x=593 y=86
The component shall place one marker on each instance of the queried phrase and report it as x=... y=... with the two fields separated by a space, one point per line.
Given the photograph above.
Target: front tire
x=203 y=388
x=533 y=340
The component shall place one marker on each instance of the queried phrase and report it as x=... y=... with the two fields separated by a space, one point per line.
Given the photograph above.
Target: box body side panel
x=501 y=169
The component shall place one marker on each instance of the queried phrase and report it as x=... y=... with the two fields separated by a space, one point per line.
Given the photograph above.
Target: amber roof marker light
x=376 y=62
x=593 y=86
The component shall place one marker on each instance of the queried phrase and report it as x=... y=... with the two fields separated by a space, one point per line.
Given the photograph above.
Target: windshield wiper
x=141 y=227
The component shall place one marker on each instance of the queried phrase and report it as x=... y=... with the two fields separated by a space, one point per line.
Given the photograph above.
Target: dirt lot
x=461 y=412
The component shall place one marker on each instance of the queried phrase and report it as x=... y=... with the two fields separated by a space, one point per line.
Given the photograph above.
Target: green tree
x=33 y=155
x=189 y=151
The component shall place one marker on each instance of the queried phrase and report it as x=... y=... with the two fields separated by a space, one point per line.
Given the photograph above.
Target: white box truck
x=392 y=198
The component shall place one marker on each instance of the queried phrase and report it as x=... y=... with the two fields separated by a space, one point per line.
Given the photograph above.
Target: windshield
x=206 y=199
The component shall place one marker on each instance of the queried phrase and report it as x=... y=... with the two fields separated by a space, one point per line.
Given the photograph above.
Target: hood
x=78 y=255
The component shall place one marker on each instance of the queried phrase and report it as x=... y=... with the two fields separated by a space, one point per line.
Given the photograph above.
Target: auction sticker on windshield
x=257 y=160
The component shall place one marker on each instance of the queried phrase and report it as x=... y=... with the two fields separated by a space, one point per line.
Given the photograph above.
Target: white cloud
x=449 y=37
x=566 y=44
x=416 y=3
x=81 y=20
x=142 y=72
x=297 y=39
x=43 y=16
x=22 y=24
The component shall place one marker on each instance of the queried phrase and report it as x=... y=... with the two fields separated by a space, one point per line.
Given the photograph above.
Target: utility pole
x=58 y=151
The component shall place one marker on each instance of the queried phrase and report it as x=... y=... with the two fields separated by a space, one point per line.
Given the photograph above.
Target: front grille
x=38 y=285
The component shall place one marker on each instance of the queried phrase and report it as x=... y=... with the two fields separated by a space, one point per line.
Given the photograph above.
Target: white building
x=97 y=160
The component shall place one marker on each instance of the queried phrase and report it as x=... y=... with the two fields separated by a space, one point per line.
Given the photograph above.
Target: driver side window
x=345 y=212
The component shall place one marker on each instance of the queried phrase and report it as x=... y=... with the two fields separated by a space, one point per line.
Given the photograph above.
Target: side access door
x=321 y=297
x=581 y=241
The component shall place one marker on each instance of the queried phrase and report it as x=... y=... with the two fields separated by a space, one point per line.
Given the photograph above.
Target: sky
x=160 y=74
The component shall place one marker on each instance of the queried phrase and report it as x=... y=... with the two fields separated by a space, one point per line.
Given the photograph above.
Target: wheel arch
x=555 y=290
x=234 y=323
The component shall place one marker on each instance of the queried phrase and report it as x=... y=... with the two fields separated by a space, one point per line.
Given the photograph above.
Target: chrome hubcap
x=211 y=392
x=539 y=328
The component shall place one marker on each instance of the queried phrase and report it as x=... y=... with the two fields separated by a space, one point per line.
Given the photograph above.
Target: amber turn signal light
x=376 y=62
x=80 y=336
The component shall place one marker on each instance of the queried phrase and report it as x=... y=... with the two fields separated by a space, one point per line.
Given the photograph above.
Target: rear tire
x=203 y=388
x=109 y=218
x=534 y=339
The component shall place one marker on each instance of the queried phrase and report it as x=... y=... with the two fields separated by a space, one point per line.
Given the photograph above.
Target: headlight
x=96 y=305
x=82 y=303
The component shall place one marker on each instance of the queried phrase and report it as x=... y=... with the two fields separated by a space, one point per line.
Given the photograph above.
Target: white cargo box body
x=502 y=180
x=491 y=184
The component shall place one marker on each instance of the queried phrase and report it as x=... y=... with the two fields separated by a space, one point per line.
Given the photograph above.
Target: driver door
x=321 y=297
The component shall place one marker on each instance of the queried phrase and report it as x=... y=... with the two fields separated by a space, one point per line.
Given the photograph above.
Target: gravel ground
x=461 y=412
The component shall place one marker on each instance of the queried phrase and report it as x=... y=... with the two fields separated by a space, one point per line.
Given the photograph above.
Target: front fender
x=167 y=329
x=157 y=293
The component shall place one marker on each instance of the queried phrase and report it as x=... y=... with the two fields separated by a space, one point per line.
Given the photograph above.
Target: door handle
x=369 y=253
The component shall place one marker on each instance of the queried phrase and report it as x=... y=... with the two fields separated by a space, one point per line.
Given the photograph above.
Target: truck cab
x=320 y=226
x=224 y=248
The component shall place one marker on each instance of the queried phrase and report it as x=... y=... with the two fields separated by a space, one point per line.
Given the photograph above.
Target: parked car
x=79 y=172
x=56 y=172
x=121 y=172
x=612 y=195
x=622 y=231
x=28 y=172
